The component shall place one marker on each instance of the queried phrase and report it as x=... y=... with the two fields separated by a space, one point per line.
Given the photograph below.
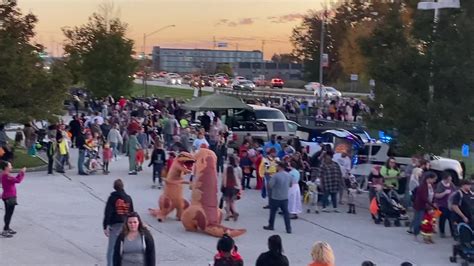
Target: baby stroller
x=389 y=207
x=465 y=247
x=92 y=162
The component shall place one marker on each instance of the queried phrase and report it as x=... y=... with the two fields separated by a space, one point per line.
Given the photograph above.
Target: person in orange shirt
x=322 y=255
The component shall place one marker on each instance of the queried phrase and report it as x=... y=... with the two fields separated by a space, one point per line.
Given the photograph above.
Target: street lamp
x=144 y=53
x=436 y=6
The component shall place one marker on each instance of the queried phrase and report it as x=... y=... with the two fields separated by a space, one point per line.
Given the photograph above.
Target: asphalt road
x=285 y=90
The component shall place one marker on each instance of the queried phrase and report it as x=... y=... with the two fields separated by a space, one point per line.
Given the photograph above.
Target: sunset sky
x=242 y=22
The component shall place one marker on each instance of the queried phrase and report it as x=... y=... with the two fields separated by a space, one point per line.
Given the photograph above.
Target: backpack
x=451 y=199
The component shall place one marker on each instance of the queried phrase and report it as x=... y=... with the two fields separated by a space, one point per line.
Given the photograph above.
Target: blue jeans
x=114 y=232
x=333 y=199
x=114 y=147
x=157 y=167
x=274 y=206
x=417 y=221
x=80 y=161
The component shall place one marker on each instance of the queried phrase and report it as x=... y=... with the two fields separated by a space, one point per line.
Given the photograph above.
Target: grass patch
x=22 y=159
x=163 y=92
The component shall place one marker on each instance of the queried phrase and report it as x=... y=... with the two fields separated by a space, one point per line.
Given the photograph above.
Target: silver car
x=244 y=85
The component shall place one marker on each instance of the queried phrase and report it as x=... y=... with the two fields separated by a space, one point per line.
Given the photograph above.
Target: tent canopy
x=215 y=102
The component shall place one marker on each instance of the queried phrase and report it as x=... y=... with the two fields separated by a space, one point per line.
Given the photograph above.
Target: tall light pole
x=436 y=6
x=321 y=54
x=145 y=35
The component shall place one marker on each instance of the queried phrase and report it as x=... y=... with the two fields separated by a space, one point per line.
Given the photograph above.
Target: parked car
x=277 y=83
x=327 y=92
x=244 y=85
x=173 y=79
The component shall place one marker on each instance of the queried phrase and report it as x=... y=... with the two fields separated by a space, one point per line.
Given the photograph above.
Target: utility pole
x=321 y=55
x=145 y=75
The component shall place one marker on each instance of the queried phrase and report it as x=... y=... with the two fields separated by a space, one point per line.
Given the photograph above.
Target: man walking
x=331 y=179
x=279 y=184
x=119 y=205
x=267 y=169
x=81 y=145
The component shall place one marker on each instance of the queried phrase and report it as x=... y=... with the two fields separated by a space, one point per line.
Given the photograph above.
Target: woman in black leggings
x=9 y=195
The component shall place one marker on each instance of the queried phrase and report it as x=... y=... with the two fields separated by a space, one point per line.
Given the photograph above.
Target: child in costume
x=351 y=194
x=106 y=157
x=311 y=196
x=428 y=226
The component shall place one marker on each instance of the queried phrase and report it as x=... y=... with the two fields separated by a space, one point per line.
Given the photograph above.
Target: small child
x=158 y=160
x=106 y=157
x=428 y=225
x=311 y=196
x=247 y=169
x=351 y=194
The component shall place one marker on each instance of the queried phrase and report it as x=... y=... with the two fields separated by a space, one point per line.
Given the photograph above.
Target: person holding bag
x=9 y=195
x=230 y=188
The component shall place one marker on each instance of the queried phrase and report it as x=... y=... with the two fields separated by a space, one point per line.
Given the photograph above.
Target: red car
x=277 y=83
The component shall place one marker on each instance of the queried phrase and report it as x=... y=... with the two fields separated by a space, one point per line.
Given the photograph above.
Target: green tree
x=99 y=54
x=225 y=68
x=401 y=54
x=28 y=91
x=340 y=23
x=285 y=58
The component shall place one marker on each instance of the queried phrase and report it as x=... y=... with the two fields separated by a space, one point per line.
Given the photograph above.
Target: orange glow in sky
x=243 y=24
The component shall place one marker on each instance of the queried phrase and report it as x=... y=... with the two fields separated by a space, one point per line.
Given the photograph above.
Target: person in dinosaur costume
x=172 y=197
x=203 y=214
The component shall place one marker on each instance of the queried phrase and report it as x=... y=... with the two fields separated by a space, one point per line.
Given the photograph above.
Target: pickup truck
x=379 y=152
x=262 y=129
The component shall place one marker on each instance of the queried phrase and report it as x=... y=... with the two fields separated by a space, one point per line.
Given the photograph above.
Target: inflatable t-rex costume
x=204 y=214
x=172 y=197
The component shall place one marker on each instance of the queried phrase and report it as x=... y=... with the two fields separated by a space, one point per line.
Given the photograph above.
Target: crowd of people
x=340 y=109
x=157 y=131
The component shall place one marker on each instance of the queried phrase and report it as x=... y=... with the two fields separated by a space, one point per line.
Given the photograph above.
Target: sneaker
x=11 y=232
x=325 y=210
x=268 y=228
x=335 y=210
x=132 y=173
x=6 y=234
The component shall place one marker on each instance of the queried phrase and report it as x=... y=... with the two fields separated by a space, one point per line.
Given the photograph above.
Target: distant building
x=269 y=70
x=199 y=60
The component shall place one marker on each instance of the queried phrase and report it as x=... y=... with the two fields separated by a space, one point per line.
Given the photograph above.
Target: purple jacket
x=9 y=183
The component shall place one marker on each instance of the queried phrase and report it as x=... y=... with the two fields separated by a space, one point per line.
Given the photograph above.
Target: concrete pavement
x=59 y=222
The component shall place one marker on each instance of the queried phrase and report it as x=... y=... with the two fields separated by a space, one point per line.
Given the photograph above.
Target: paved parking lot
x=59 y=222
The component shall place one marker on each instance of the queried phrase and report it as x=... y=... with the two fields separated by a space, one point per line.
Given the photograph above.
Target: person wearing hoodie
x=9 y=194
x=274 y=256
x=118 y=206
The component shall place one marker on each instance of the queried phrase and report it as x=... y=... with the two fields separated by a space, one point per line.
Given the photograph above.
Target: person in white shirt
x=199 y=141
x=344 y=162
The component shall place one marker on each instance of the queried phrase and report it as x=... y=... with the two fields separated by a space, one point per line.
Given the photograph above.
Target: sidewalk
x=59 y=222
